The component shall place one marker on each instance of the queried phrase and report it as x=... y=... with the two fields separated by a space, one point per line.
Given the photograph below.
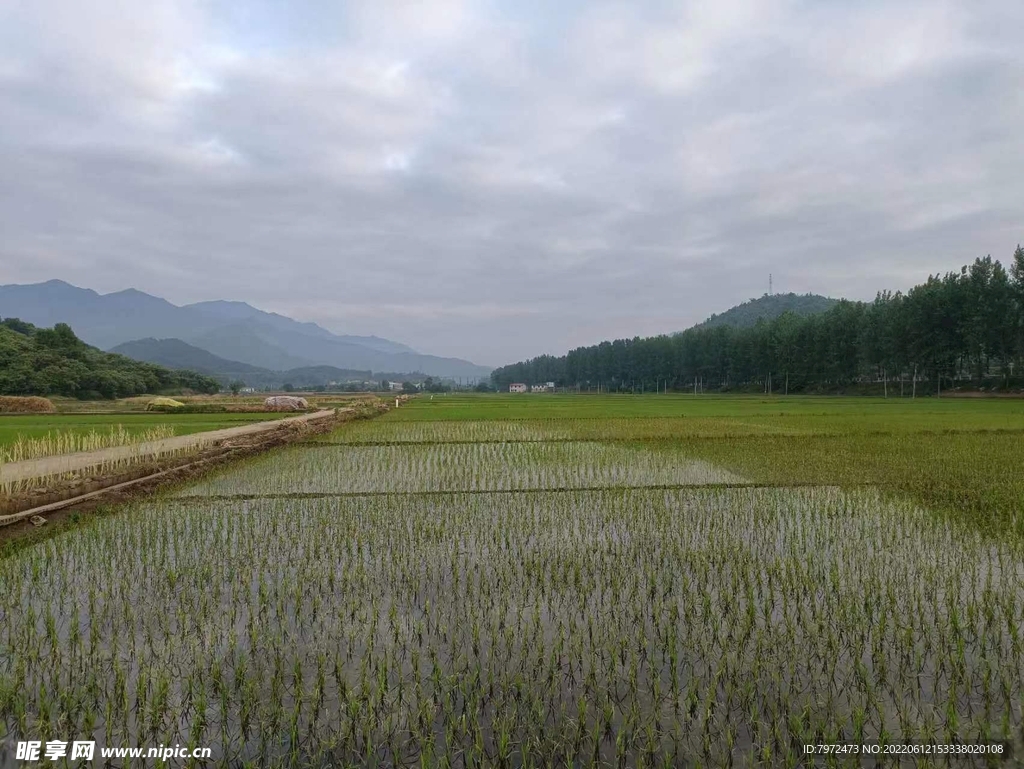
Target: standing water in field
x=612 y=609
x=509 y=466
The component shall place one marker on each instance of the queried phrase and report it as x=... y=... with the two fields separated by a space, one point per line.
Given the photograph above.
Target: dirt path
x=67 y=463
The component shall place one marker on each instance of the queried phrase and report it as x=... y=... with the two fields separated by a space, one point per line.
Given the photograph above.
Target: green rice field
x=517 y=581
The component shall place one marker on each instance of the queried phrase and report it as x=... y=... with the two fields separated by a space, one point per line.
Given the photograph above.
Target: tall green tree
x=958 y=326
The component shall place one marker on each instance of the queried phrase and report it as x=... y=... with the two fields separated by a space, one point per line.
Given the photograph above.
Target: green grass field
x=808 y=413
x=555 y=580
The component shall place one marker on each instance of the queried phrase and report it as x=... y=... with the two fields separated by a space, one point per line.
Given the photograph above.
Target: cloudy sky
x=495 y=180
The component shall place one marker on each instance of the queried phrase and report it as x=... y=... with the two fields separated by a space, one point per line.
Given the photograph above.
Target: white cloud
x=476 y=178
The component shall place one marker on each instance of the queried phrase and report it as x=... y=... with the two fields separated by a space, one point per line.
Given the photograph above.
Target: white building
x=539 y=388
x=517 y=387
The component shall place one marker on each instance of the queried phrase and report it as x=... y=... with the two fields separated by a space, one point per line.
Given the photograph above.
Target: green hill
x=770 y=307
x=53 y=361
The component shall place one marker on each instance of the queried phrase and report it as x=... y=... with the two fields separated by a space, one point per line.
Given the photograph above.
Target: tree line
x=53 y=361
x=964 y=327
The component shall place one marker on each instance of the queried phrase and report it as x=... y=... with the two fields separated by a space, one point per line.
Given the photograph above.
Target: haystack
x=285 y=403
x=163 y=403
x=16 y=404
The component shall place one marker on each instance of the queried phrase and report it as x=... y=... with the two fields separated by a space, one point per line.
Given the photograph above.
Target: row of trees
x=963 y=326
x=54 y=361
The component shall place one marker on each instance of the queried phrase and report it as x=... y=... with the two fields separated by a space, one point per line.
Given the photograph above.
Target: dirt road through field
x=68 y=463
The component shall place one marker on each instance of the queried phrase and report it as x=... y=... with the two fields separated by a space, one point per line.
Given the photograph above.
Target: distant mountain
x=768 y=307
x=240 y=311
x=243 y=341
x=234 y=331
x=176 y=354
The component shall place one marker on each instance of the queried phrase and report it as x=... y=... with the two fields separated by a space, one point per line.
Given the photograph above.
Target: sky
x=496 y=180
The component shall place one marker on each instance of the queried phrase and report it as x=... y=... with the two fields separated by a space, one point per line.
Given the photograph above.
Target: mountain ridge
x=176 y=354
x=229 y=329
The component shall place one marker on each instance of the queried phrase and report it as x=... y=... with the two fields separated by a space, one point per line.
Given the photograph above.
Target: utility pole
x=914 y=391
x=769 y=284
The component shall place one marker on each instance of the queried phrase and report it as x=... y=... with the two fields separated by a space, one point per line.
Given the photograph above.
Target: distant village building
x=394 y=386
x=517 y=387
x=539 y=388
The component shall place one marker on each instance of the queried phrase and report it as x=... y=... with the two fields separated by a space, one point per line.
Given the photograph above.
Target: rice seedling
x=454 y=594
x=460 y=467
x=710 y=624
x=495 y=431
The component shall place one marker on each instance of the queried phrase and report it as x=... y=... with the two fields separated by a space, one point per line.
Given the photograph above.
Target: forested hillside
x=769 y=307
x=960 y=327
x=53 y=361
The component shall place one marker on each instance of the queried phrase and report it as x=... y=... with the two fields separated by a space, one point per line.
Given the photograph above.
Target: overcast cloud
x=495 y=180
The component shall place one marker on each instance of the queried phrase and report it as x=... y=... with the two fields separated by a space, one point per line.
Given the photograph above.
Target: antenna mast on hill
x=769 y=284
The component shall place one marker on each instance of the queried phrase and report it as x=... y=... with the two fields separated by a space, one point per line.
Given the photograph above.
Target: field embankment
x=13 y=472
x=65 y=433
x=57 y=482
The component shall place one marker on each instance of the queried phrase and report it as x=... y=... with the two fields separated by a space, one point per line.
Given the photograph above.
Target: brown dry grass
x=16 y=404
